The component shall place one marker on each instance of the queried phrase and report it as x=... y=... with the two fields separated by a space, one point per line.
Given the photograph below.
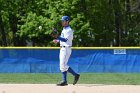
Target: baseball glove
x=54 y=33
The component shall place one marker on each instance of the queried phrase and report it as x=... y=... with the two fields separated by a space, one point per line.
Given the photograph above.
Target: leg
x=64 y=78
x=76 y=76
x=63 y=67
x=63 y=56
x=70 y=70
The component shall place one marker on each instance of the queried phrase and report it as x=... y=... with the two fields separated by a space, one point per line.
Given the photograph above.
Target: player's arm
x=62 y=39
x=66 y=37
x=59 y=39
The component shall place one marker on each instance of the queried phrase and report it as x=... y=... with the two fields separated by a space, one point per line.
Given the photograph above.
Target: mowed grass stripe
x=85 y=78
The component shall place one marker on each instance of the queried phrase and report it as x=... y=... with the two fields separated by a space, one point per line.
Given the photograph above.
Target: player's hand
x=55 y=41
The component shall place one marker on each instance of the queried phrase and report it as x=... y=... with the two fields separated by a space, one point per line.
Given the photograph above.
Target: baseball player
x=65 y=40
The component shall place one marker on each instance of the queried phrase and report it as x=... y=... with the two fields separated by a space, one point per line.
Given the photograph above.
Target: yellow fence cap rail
x=72 y=47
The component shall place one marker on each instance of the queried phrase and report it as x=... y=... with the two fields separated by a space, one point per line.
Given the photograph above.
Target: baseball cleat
x=62 y=84
x=76 y=78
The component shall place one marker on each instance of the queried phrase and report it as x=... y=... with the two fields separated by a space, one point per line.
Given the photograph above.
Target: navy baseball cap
x=65 y=18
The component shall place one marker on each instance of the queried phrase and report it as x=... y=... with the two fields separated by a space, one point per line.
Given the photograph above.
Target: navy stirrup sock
x=64 y=76
x=72 y=72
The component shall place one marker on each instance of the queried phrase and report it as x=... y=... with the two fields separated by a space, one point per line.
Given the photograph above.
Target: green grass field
x=86 y=78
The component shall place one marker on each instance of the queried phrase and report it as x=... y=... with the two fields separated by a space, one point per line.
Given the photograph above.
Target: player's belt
x=65 y=46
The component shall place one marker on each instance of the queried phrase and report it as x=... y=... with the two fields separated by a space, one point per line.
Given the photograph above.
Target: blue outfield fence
x=46 y=60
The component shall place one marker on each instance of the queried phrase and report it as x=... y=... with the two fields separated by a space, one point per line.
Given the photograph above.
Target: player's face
x=65 y=23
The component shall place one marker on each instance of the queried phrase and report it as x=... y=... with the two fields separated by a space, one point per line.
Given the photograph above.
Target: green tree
x=36 y=29
x=2 y=30
x=95 y=23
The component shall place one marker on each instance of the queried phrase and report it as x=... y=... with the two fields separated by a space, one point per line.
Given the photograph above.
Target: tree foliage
x=95 y=23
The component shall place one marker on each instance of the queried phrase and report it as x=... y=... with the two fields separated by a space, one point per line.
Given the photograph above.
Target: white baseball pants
x=64 y=55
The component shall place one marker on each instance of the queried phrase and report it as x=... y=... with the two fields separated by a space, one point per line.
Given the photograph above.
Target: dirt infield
x=79 y=88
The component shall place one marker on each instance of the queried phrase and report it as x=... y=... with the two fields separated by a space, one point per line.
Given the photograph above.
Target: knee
x=64 y=68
